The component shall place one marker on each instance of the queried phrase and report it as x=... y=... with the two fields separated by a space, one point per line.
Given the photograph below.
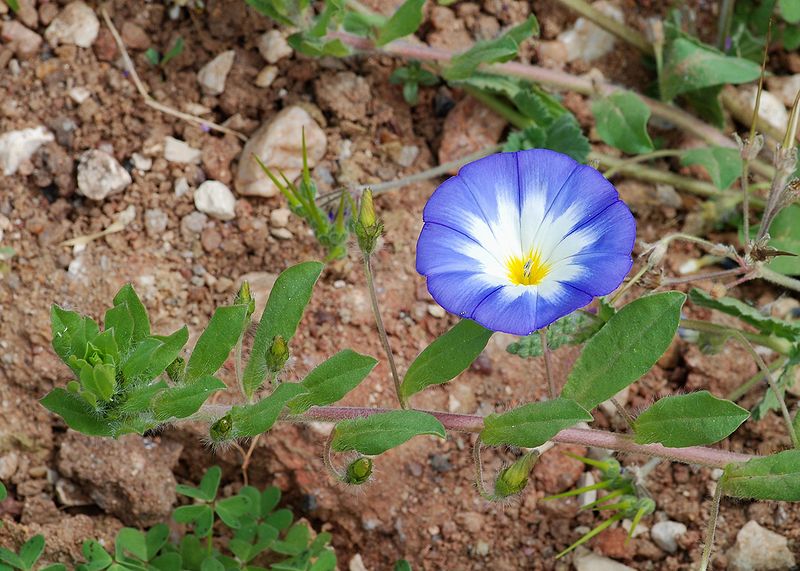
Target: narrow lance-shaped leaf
x=533 y=424
x=403 y=22
x=214 y=345
x=184 y=401
x=688 y=420
x=747 y=313
x=380 y=432
x=141 y=322
x=773 y=477
x=77 y=413
x=153 y=355
x=287 y=302
x=625 y=348
x=446 y=358
x=621 y=120
x=332 y=380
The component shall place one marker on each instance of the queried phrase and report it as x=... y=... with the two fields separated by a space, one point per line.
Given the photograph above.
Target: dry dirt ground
x=422 y=504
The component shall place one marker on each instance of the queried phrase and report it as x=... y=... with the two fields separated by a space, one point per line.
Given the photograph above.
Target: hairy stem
x=373 y=296
x=666 y=282
x=548 y=367
x=711 y=529
x=779 y=279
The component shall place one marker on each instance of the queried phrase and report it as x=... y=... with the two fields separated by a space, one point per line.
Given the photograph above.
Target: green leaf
x=402 y=565
x=77 y=413
x=141 y=322
x=572 y=329
x=747 y=313
x=706 y=103
x=96 y=555
x=173 y=52
x=14 y=5
x=690 y=65
x=184 y=401
x=211 y=564
x=563 y=135
x=31 y=550
x=153 y=355
x=190 y=513
x=212 y=349
x=170 y=561
x=317 y=47
x=499 y=50
x=774 y=477
x=3 y=492
x=132 y=541
x=621 y=120
x=254 y=419
x=790 y=10
x=271 y=9
x=625 y=348
x=533 y=424
x=232 y=510
x=9 y=557
x=207 y=490
x=54 y=567
x=295 y=542
x=688 y=420
x=723 y=165
x=156 y=538
x=71 y=334
x=403 y=22
x=287 y=302
x=280 y=519
x=785 y=235
x=332 y=380
x=446 y=358
x=375 y=434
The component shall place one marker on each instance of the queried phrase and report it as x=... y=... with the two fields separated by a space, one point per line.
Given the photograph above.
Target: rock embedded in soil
x=155 y=222
x=17 y=147
x=215 y=199
x=212 y=76
x=279 y=218
x=25 y=43
x=100 y=175
x=770 y=109
x=585 y=560
x=785 y=87
x=273 y=46
x=266 y=76
x=134 y=37
x=76 y=24
x=665 y=534
x=177 y=151
x=468 y=128
x=127 y=477
x=759 y=549
x=217 y=155
x=588 y=41
x=278 y=143
x=345 y=94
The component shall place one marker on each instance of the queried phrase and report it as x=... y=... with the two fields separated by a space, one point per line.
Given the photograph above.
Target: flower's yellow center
x=527 y=270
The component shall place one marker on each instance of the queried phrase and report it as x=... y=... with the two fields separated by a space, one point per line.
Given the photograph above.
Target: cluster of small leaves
x=752 y=19
x=411 y=77
x=573 y=329
x=155 y=58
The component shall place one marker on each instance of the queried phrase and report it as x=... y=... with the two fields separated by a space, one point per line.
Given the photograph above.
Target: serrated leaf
x=690 y=65
x=773 y=477
x=747 y=313
x=380 y=432
x=499 y=50
x=254 y=419
x=213 y=347
x=446 y=358
x=184 y=401
x=77 y=413
x=287 y=302
x=688 y=420
x=533 y=424
x=332 y=380
x=403 y=22
x=724 y=165
x=625 y=348
x=621 y=120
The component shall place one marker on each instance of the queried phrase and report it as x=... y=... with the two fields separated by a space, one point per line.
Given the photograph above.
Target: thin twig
x=148 y=99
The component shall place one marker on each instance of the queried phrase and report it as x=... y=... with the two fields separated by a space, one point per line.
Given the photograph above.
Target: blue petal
x=613 y=230
x=494 y=184
x=566 y=300
x=601 y=273
x=453 y=205
x=585 y=194
x=441 y=249
x=459 y=292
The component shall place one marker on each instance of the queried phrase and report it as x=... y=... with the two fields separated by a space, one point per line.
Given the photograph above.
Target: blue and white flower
x=518 y=240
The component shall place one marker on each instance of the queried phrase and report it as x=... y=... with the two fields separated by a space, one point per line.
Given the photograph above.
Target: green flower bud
x=277 y=354
x=612 y=469
x=176 y=369
x=359 y=471
x=245 y=297
x=367 y=228
x=221 y=428
x=513 y=479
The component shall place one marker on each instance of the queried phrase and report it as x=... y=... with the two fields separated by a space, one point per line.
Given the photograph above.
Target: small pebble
x=213 y=75
x=76 y=24
x=273 y=46
x=436 y=311
x=281 y=233
x=177 y=151
x=181 y=186
x=100 y=175
x=155 y=222
x=216 y=200
x=279 y=218
x=141 y=162
x=665 y=534
x=266 y=76
x=193 y=223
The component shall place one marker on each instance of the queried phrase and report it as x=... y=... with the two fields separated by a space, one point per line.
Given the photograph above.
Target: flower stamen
x=527 y=270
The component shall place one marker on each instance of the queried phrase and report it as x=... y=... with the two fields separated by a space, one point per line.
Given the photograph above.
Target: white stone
x=759 y=549
x=585 y=560
x=155 y=222
x=665 y=534
x=785 y=87
x=215 y=199
x=281 y=233
x=17 y=147
x=436 y=311
x=76 y=24
x=212 y=76
x=141 y=162
x=177 y=151
x=586 y=498
x=770 y=108
x=100 y=175
x=279 y=218
x=181 y=186
x=79 y=94
x=278 y=143
x=356 y=563
x=273 y=46
x=586 y=40
x=266 y=76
